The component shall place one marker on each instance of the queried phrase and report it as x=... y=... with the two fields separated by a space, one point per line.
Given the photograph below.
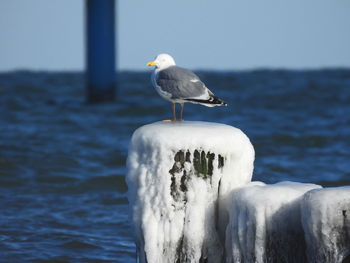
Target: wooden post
x=100 y=50
x=179 y=177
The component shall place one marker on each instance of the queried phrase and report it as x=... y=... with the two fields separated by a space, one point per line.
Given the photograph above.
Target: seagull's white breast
x=162 y=93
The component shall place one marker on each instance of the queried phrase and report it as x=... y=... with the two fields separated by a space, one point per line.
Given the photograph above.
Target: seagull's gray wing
x=181 y=83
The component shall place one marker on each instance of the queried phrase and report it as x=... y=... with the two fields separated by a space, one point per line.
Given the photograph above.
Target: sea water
x=62 y=161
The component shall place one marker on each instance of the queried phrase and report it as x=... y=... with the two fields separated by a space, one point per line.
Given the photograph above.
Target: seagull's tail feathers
x=211 y=102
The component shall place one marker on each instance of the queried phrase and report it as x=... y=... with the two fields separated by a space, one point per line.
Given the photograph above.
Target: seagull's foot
x=179 y=119
x=168 y=120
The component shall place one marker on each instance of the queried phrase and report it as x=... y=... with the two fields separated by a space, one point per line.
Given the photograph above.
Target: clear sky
x=200 y=34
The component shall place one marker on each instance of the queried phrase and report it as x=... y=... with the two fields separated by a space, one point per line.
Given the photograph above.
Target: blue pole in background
x=100 y=50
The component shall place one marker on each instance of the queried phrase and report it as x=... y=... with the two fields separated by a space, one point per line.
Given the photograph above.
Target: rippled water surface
x=62 y=161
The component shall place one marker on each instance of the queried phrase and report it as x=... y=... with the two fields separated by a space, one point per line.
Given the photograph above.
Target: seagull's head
x=162 y=61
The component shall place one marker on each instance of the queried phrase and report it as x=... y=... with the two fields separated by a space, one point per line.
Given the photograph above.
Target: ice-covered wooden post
x=179 y=178
x=326 y=222
x=265 y=223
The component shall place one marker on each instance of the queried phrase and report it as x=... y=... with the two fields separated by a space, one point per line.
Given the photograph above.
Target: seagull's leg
x=174 y=114
x=182 y=108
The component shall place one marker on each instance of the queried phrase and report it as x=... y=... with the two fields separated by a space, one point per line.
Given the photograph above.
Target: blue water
x=62 y=161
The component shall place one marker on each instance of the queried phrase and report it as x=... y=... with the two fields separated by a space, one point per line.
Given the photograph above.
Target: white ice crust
x=183 y=226
x=179 y=215
x=326 y=222
x=265 y=223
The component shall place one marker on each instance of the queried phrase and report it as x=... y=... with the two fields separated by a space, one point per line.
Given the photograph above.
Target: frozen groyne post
x=265 y=223
x=179 y=177
x=326 y=221
x=100 y=50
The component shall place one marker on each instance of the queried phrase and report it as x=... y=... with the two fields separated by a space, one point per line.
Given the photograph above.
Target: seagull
x=179 y=85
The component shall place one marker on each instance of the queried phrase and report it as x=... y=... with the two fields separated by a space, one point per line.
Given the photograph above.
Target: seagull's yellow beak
x=151 y=63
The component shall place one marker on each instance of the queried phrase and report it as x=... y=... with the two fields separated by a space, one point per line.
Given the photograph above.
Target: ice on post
x=179 y=174
x=265 y=223
x=326 y=222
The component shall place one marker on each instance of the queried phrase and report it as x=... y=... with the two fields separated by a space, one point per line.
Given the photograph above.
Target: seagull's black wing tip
x=213 y=101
